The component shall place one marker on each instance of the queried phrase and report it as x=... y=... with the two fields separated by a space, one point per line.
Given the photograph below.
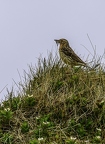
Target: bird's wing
x=69 y=52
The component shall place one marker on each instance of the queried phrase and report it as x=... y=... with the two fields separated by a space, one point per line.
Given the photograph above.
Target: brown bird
x=68 y=55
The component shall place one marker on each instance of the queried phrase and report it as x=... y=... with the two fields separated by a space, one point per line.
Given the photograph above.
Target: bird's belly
x=66 y=59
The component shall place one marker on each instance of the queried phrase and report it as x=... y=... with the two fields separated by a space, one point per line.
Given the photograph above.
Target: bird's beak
x=57 y=41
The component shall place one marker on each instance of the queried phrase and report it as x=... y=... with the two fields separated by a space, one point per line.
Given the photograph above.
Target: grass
x=55 y=105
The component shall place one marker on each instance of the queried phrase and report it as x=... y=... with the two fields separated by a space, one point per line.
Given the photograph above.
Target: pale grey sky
x=28 y=28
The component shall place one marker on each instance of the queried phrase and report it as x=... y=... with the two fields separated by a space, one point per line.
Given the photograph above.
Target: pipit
x=68 y=55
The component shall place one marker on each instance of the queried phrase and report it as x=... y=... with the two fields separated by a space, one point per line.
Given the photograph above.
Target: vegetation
x=55 y=105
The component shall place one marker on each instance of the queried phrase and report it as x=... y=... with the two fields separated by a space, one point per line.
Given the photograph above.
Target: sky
x=28 y=28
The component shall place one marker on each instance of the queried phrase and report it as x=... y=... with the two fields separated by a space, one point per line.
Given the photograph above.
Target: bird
x=68 y=55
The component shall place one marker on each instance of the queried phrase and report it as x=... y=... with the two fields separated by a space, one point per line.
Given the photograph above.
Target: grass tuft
x=55 y=105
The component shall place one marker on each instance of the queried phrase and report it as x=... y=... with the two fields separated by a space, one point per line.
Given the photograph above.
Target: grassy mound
x=55 y=105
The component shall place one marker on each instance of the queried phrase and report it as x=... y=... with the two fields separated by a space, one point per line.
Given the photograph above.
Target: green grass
x=55 y=105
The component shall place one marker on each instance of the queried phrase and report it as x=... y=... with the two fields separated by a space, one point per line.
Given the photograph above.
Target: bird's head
x=62 y=42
